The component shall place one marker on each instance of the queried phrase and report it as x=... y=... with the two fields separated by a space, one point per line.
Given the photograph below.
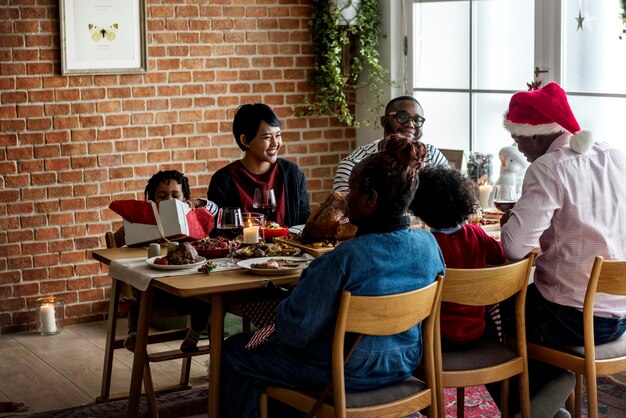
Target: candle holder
x=49 y=315
x=253 y=224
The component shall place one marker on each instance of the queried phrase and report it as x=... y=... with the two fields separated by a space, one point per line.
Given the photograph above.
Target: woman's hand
x=504 y=218
x=191 y=203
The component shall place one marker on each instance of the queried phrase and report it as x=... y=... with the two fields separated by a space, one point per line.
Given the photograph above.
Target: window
x=470 y=56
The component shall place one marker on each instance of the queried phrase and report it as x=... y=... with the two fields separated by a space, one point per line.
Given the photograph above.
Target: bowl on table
x=213 y=247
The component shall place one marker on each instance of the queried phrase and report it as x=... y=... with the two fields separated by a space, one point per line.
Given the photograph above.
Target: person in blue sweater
x=385 y=257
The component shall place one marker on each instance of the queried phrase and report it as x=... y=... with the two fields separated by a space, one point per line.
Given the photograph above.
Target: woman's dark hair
x=248 y=118
x=165 y=177
x=445 y=197
x=393 y=173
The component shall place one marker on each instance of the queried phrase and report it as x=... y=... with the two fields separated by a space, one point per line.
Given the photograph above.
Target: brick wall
x=71 y=145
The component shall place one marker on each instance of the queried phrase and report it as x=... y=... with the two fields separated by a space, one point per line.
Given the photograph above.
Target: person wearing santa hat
x=572 y=208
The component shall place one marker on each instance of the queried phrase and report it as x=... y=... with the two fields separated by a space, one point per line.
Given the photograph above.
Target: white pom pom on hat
x=545 y=111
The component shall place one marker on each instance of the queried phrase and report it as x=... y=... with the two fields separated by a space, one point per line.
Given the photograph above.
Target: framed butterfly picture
x=103 y=37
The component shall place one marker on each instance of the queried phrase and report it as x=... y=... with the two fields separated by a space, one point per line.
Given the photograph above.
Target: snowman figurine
x=512 y=170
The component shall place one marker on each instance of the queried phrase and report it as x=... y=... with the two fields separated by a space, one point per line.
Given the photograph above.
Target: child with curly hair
x=166 y=185
x=444 y=201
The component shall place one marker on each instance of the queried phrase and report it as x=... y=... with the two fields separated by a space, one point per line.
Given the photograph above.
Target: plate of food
x=492 y=213
x=273 y=230
x=265 y=249
x=274 y=266
x=162 y=263
x=213 y=247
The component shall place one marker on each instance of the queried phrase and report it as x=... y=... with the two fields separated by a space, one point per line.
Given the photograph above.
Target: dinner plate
x=247 y=264
x=296 y=229
x=150 y=262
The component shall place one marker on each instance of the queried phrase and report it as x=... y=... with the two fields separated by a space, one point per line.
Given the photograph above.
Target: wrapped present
x=174 y=220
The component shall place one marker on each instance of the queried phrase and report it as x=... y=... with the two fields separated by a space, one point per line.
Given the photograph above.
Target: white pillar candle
x=251 y=235
x=48 y=319
x=484 y=191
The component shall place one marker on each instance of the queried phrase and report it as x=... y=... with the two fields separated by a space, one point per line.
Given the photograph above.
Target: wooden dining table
x=220 y=289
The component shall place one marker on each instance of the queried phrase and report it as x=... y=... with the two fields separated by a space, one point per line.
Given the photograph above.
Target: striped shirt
x=572 y=207
x=433 y=157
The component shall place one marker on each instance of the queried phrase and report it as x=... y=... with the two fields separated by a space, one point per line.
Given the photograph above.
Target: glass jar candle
x=49 y=315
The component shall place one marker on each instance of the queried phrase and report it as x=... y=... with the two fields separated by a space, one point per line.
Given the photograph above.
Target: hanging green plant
x=336 y=73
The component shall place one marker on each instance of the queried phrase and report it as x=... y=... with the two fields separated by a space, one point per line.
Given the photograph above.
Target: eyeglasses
x=403 y=117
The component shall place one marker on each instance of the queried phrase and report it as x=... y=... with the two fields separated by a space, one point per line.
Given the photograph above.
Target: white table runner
x=137 y=273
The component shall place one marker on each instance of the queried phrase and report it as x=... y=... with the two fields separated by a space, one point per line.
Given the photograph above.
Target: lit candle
x=484 y=191
x=48 y=319
x=251 y=234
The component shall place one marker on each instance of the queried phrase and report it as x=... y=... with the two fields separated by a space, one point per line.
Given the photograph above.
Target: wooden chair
x=590 y=360
x=375 y=315
x=487 y=361
x=114 y=240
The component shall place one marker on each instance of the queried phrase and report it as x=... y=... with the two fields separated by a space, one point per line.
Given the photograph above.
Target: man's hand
x=505 y=217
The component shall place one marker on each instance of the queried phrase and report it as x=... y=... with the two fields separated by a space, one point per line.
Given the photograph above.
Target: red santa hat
x=545 y=111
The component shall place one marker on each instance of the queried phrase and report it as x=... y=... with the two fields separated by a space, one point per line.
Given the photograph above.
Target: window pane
x=441 y=46
x=603 y=116
x=594 y=56
x=447 y=119
x=490 y=136
x=504 y=44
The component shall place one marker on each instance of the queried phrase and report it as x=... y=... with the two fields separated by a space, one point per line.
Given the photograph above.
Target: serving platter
x=248 y=265
x=285 y=251
x=150 y=262
x=307 y=248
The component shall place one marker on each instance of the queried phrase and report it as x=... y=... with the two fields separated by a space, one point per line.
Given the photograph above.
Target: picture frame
x=103 y=36
x=455 y=157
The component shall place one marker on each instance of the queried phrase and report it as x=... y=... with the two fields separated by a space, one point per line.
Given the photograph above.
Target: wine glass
x=264 y=201
x=229 y=226
x=505 y=197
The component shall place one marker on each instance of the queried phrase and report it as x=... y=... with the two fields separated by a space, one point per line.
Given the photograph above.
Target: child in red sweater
x=444 y=201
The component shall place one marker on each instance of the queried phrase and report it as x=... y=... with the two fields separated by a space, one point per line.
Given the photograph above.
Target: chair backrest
x=385 y=315
x=115 y=239
x=486 y=286
x=607 y=276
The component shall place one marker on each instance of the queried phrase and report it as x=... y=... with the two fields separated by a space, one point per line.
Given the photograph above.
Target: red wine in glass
x=264 y=201
x=229 y=225
x=230 y=232
x=504 y=205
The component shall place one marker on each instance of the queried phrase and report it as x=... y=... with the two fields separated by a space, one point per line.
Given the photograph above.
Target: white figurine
x=512 y=170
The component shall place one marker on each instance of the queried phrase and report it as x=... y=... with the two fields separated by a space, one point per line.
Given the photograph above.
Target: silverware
x=271 y=285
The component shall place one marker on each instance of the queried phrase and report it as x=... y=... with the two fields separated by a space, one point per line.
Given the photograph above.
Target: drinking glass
x=264 y=201
x=229 y=226
x=505 y=197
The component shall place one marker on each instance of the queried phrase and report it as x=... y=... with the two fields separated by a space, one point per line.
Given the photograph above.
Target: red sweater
x=470 y=247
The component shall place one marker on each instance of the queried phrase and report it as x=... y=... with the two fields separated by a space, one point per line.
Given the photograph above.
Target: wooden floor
x=64 y=370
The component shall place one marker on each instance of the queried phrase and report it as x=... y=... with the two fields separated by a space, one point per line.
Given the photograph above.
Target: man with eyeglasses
x=402 y=115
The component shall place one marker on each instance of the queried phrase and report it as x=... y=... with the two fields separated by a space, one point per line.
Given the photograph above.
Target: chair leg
x=592 y=396
x=149 y=388
x=263 y=406
x=524 y=394
x=504 y=394
x=185 y=371
x=578 y=396
x=105 y=387
x=460 y=402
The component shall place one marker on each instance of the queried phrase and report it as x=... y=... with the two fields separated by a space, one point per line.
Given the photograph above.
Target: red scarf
x=246 y=182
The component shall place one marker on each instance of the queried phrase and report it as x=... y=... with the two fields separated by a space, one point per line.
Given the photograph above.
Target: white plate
x=296 y=229
x=150 y=262
x=246 y=264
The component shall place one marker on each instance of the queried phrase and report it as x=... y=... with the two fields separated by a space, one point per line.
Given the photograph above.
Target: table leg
x=140 y=357
x=105 y=386
x=215 y=353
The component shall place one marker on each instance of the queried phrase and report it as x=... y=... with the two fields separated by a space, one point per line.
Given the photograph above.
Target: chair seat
x=401 y=390
x=611 y=350
x=483 y=354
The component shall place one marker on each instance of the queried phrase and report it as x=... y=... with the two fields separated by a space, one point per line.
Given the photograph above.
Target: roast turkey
x=329 y=222
x=183 y=253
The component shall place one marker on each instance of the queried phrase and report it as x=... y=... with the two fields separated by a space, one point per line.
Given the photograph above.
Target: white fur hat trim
x=581 y=142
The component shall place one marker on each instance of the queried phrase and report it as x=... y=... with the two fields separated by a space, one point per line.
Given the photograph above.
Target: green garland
x=332 y=85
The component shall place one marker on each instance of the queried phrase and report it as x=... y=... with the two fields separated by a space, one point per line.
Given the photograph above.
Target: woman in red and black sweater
x=257 y=131
x=444 y=201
